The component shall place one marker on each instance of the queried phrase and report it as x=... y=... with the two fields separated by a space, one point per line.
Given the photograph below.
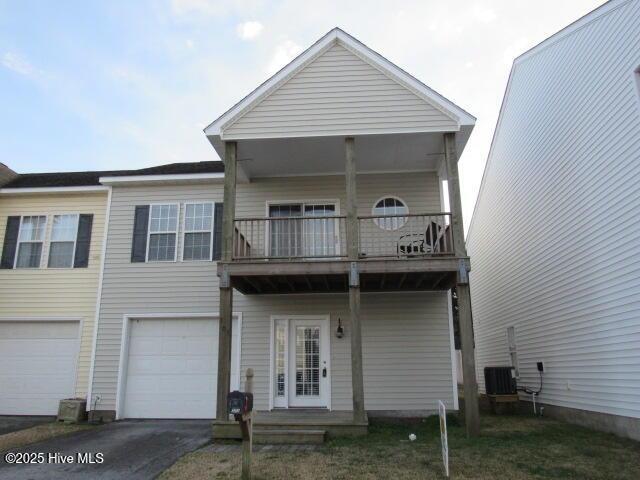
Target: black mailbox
x=239 y=403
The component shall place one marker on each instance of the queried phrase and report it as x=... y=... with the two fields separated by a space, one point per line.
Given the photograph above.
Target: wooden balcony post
x=352 y=199
x=353 y=249
x=226 y=293
x=472 y=415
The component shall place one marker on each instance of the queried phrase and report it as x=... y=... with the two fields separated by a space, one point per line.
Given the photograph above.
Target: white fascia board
x=216 y=128
x=182 y=177
x=45 y=190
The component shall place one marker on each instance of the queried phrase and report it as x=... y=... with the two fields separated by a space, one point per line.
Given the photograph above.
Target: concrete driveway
x=10 y=424
x=131 y=449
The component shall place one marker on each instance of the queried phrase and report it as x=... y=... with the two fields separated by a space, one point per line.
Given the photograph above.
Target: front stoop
x=263 y=436
x=331 y=424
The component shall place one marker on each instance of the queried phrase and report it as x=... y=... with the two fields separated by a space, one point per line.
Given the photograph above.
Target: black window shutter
x=10 y=242
x=140 y=226
x=83 y=241
x=217 y=232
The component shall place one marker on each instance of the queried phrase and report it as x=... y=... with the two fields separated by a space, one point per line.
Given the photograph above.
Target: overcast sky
x=125 y=84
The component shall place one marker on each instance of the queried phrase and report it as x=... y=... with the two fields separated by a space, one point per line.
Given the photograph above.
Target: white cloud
x=285 y=52
x=18 y=64
x=249 y=30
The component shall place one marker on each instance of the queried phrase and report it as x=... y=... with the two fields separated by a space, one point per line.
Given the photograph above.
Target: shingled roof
x=79 y=179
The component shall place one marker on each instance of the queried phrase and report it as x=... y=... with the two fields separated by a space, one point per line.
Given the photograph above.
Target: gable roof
x=92 y=178
x=216 y=128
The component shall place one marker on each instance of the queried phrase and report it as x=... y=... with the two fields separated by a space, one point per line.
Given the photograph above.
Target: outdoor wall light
x=339 y=330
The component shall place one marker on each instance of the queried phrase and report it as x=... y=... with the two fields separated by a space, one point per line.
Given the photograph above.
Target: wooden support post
x=471 y=409
x=352 y=199
x=226 y=293
x=247 y=437
x=353 y=250
x=229 y=206
x=357 y=383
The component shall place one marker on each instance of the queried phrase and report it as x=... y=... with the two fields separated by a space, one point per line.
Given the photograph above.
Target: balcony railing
x=324 y=237
x=288 y=238
x=405 y=235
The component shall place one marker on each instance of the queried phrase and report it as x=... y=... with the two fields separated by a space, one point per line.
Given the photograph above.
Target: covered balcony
x=307 y=253
x=336 y=102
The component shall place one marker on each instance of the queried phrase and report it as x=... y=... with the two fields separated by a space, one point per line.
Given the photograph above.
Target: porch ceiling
x=325 y=154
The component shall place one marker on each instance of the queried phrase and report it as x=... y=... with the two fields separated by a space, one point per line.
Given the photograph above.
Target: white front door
x=301 y=370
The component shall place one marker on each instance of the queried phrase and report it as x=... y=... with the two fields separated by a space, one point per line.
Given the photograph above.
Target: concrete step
x=292 y=437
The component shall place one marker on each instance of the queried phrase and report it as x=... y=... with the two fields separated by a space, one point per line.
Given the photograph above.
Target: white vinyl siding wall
x=405 y=336
x=56 y=292
x=555 y=238
x=339 y=92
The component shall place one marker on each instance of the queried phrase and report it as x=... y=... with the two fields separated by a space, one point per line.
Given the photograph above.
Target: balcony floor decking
x=332 y=276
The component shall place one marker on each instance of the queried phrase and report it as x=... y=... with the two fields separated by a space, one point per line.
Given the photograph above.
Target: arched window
x=390 y=206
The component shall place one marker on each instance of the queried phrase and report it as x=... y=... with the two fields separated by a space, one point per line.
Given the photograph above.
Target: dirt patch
x=38 y=433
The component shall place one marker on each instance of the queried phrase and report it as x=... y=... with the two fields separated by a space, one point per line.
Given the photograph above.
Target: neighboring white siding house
x=555 y=237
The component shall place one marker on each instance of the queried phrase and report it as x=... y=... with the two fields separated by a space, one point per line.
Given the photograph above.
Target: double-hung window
x=30 y=241
x=197 y=243
x=62 y=247
x=163 y=233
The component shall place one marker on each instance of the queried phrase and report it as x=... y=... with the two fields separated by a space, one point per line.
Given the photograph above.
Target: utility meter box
x=239 y=403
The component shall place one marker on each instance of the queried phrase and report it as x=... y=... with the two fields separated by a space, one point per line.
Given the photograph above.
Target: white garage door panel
x=172 y=368
x=38 y=366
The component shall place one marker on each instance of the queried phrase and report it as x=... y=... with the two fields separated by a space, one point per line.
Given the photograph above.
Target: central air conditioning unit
x=500 y=381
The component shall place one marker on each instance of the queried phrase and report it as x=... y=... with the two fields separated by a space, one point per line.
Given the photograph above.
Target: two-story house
x=321 y=255
x=51 y=233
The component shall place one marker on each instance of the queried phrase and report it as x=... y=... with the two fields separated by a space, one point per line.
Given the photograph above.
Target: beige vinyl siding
x=405 y=343
x=339 y=93
x=555 y=239
x=420 y=191
x=56 y=292
x=418 y=321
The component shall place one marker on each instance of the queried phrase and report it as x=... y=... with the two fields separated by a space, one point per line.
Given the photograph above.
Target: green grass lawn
x=510 y=447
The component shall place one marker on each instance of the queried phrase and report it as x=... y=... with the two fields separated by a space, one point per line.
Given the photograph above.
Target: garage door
x=37 y=366
x=172 y=369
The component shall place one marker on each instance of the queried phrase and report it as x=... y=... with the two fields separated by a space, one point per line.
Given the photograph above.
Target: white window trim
x=43 y=241
x=51 y=241
x=184 y=230
x=373 y=211
x=175 y=250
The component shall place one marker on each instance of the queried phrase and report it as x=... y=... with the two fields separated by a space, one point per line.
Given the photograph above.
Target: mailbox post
x=240 y=405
